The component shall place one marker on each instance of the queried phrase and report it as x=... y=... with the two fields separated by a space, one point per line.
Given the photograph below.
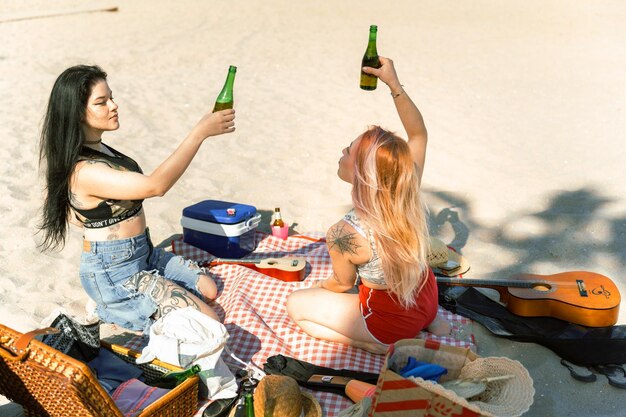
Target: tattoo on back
x=342 y=240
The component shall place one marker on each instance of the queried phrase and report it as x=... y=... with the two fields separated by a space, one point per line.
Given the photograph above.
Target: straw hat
x=281 y=395
x=439 y=254
x=506 y=398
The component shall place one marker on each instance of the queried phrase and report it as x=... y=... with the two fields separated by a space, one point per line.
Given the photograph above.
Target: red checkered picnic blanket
x=252 y=307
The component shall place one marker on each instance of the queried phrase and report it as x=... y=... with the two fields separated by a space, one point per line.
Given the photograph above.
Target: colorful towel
x=252 y=307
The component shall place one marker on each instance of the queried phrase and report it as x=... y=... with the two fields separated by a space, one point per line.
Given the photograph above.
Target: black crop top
x=108 y=212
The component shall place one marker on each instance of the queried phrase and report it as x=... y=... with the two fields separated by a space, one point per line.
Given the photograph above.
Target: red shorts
x=387 y=321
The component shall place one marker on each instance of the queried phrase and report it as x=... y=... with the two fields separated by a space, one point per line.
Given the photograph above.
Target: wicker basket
x=47 y=382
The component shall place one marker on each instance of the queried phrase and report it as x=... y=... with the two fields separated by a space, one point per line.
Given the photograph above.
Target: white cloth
x=186 y=337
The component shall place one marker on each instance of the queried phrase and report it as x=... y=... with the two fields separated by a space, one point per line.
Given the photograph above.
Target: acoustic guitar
x=286 y=269
x=579 y=297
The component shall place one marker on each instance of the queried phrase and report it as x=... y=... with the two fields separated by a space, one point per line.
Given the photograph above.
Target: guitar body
x=580 y=297
x=287 y=269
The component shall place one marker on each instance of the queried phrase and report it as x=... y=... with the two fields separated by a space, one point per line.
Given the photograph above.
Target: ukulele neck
x=236 y=261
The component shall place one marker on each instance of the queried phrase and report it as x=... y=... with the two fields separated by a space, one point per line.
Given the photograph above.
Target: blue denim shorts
x=105 y=266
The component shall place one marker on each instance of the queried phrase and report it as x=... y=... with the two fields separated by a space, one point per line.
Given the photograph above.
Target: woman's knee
x=207 y=287
x=293 y=301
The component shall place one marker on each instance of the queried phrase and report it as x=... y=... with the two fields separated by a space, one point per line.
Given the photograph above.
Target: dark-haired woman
x=93 y=185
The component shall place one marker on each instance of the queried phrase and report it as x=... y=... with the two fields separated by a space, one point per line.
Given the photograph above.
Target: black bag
x=578 y=344
x=301 y=371
x=81 y=342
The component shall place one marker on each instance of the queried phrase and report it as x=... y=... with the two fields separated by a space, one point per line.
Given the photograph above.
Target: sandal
x=579 y=373
x=614 y=373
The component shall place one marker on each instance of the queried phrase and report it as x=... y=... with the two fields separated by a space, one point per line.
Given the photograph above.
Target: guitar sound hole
x=540 y=286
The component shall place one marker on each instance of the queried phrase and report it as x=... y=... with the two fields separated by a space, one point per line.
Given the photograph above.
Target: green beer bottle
x=249 y=403
x=370 y=59
x=225 y=98
x=172 y=379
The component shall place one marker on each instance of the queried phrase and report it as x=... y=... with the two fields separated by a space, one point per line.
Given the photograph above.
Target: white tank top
x=372 y=270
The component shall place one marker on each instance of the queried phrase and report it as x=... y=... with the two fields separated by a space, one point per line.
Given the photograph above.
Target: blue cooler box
x=223 y=229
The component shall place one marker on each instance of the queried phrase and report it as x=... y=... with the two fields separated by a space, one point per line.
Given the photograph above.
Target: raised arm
x=410 y=116
x=98 y=180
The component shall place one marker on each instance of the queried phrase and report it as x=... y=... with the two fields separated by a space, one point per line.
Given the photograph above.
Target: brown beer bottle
x=225 y=98
x=370 y=59
x=278 y=218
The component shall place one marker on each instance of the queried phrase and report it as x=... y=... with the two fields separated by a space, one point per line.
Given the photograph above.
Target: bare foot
x=439 y=327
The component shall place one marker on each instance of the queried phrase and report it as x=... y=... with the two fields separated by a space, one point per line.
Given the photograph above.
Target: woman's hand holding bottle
x=387 y=74
x=213 y=124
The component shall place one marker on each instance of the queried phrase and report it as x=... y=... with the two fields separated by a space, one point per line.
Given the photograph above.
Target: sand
x=524 y=101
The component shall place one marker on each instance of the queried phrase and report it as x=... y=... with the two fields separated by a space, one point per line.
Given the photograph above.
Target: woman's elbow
x=157 y=191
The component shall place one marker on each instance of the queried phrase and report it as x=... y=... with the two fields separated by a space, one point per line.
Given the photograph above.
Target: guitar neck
x=474 y=282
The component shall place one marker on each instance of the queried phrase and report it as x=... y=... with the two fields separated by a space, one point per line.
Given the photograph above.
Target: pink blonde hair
x=386 y=196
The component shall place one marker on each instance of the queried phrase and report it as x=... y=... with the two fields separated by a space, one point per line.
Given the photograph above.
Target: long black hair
x=61 y=141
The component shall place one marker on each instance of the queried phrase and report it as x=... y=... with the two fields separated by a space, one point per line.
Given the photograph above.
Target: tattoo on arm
x=74 y=201
x=341 y=240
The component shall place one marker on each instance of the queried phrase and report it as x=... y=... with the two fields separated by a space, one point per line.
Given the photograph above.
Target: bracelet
x=395 y=96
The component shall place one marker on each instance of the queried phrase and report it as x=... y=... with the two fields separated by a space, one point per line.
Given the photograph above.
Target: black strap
x=301 y=371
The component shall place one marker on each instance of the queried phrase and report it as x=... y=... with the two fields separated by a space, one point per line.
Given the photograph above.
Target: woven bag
x=48 y=383
x=397 y=396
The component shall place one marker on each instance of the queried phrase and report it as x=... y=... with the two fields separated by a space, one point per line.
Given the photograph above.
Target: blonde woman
x=382 y=243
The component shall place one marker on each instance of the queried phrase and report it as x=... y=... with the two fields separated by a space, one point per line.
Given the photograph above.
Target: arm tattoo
x=342 y=240
x=74 y=201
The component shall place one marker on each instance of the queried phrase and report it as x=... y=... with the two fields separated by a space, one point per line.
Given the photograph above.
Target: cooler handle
x=254 y=220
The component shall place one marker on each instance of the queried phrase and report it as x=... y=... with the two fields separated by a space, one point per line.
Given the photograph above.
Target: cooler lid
x=222 y=212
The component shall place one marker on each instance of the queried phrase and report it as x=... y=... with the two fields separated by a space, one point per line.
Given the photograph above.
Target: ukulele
x=285 y=269
x=579 y=297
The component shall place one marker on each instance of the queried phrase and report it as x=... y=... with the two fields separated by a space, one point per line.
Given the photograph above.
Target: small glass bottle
x=173 y=379
x=370 y=59
x=249 y=402
x=225 y=98
x=278 y=218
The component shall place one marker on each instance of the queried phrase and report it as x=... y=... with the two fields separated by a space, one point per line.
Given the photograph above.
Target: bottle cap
x=373 y=28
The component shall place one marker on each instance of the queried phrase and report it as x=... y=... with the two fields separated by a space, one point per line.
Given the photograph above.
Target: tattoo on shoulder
x=342 y=240
x=74 y=201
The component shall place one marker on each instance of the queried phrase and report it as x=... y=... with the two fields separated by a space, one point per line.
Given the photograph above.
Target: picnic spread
x=252 y=307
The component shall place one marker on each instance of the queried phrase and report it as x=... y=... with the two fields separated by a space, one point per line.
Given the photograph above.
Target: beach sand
x=524 y=102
